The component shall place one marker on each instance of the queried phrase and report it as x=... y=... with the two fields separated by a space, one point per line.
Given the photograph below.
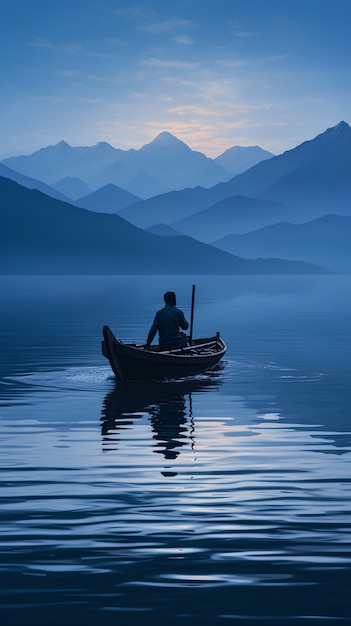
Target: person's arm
x=182 y=321
x=153 y=330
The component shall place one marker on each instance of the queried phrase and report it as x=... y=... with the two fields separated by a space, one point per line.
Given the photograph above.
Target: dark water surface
x=220 y=499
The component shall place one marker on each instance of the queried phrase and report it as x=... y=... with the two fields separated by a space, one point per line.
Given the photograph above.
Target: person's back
x=167 y=322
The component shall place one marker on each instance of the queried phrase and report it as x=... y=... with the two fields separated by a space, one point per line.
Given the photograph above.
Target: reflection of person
x=169 y=423
x=168 y=407
x=167 y=322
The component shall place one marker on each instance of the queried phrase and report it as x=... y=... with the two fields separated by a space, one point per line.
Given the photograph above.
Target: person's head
x=170 y=298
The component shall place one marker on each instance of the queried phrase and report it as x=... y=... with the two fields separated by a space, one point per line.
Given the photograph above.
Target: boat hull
x=132 y=362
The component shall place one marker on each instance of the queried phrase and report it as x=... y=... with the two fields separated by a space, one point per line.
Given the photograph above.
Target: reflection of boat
x=133 y=362
x=168 y=404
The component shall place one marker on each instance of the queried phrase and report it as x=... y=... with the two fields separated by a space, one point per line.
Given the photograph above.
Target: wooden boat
x=132 y=362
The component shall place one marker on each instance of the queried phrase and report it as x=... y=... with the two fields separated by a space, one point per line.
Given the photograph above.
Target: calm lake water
x=220 y=499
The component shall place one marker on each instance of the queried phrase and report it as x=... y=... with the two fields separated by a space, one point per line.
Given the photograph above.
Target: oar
x=192 y=314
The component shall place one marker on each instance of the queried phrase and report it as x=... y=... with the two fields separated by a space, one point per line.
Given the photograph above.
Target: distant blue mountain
x=324 y=241
x=168 y=207
x=163 y=230
x=108 y=199
x=145 y=186
x=238 y=214
x=31 y=183
x=238 y=159
x=177 y=165
x=72 y=187
x=41 y=235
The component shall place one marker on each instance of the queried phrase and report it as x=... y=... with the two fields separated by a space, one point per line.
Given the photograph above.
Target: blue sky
x=215 y=73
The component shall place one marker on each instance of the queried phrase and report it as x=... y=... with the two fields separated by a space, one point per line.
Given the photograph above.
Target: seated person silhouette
x=168 y=322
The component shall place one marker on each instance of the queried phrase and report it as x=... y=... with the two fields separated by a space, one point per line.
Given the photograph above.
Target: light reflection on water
x=221 y=499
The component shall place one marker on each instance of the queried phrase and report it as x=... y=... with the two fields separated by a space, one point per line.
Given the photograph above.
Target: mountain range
x=311 y=179
x=165 y=164
x=42 y=235
x=325 y=241
x=272 y=210
x=308 y=181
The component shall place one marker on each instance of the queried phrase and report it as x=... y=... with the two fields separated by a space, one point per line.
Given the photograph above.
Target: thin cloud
x=40 y=42
x=242 y=33
x=91 y=100
x=137 y=95
x=172 y=23
x=170 y=64
x=249 y=108
x=165 y=97
x=68 y=73
x=232 y=63
x=46 y=99
x=184 y=40
x=133 y=11
x=239 y=32
x=273 y=58
x=192 y=109
x=68 y=48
